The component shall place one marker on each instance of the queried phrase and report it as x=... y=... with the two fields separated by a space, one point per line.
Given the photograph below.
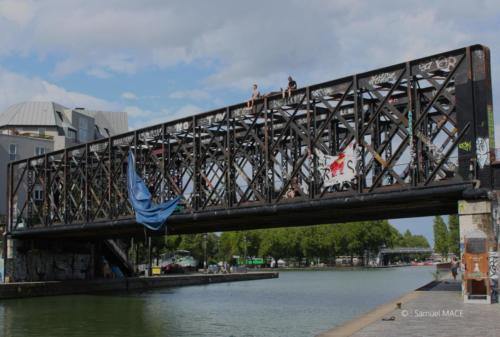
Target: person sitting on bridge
x=294 y=189
x=292 y=85
x=255 y=95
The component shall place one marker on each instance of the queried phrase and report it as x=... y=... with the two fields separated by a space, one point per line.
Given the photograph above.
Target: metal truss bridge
x=406 y=250
x=416 y=137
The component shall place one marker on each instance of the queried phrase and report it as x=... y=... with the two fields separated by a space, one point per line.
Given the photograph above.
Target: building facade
x=34 y=128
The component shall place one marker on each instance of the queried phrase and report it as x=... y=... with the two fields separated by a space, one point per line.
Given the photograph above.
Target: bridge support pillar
x=479 y=249
x=30 y=260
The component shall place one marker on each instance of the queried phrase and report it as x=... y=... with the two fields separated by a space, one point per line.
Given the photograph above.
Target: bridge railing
x=410 y=125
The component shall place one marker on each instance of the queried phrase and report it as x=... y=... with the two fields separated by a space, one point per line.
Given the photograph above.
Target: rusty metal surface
x=417 y=126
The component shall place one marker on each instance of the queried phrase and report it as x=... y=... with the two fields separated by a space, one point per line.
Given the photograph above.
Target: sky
x=159 y=60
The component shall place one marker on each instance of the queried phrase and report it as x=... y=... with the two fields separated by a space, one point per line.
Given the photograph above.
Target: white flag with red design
x=338 y=169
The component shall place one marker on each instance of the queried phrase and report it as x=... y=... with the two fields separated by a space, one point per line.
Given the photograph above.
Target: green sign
x=256 y=261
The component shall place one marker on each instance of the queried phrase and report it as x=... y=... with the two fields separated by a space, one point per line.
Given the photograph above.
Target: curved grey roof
x=34 y=113
x=115 y=122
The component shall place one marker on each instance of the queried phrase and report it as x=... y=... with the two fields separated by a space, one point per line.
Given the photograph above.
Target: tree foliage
x=311 y=243
x=441 y=237
x=453 y=235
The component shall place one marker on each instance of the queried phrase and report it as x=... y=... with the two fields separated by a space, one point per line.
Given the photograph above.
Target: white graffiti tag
x=483 y=152
x=493 y=274
x=382 y=78
x=493 y=265
x=442 y=63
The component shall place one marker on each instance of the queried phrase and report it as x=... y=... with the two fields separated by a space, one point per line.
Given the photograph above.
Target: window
x=72 y=134
x=12 y=151
x=39 y=150
x=38 y=193
x=83 y=130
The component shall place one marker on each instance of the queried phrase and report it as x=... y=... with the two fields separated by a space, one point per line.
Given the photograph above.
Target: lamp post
x=205 y=264
x=245 y=249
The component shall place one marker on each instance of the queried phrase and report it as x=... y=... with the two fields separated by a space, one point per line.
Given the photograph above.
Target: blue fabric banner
x=152 y=216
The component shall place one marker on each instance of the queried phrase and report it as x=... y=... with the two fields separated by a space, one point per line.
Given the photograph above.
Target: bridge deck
x=356 y=207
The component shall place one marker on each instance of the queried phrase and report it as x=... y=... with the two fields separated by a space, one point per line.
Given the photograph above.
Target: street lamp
x=245 y=247
x=205 y=264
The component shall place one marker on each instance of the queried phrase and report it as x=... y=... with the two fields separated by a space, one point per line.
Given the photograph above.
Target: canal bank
x=53 y=288
x=436 y=309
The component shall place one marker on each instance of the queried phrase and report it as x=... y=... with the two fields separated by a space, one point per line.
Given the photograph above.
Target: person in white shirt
x=255 y=95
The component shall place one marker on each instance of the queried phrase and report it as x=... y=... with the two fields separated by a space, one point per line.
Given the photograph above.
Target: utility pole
x=245 y=249
x=150 y=256
x=205 y=262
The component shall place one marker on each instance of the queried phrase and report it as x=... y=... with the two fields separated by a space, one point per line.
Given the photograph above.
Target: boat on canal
x=179 y=259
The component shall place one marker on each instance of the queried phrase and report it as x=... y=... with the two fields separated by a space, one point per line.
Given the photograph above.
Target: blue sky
x=159 y=60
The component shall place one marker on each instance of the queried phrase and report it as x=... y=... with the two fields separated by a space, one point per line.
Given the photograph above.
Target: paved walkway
x=439 y=312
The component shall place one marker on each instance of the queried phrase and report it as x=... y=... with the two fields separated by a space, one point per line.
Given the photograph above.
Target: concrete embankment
x=52 y=288
x=436 y=309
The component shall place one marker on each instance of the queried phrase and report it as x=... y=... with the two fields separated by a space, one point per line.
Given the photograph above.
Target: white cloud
x=129 y=95
x=139 y=117
x=71 y=65
x=98 y=73
x=134 y=111
x=142 y=117
x=196 y=94
x=17 y=88
x=185 y=111
x=16 y=11
x=259 y=42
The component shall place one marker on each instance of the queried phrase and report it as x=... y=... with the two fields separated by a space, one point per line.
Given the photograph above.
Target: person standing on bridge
x=454 y=268
x=255 y=95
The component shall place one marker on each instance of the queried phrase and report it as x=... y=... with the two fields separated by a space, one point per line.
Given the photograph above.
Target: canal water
x=298 y=304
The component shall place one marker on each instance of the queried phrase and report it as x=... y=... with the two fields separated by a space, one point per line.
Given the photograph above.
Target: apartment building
x=34 y=128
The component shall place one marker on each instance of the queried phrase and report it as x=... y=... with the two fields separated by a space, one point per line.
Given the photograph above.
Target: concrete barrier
x=53 y=288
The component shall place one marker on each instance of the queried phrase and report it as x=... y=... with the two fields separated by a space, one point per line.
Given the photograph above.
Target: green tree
x=378 y=234
x=410 y=240
x=172 y=242
x=321 y=242
x=355 y=239
x=395 y=238
x=454 y=234
x=407 y=238
x=312 y=243
x=330 y=243
x=229 y=245
x=280 y=243
x=420 y=241
x=239 y=243
x=441 y=240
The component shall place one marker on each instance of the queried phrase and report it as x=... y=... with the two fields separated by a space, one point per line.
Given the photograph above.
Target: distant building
x=34 y=128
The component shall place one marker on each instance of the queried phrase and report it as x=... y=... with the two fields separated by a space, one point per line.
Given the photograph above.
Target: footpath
x=436 y=310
